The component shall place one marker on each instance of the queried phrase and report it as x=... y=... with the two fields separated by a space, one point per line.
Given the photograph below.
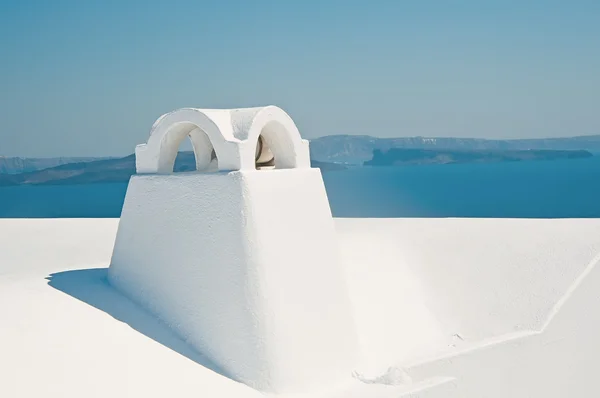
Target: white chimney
x=241 y=263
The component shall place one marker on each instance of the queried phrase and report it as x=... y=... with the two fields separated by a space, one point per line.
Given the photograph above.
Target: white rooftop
x=446 y=308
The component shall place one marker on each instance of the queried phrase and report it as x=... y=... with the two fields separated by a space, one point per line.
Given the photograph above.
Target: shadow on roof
x=92 y=287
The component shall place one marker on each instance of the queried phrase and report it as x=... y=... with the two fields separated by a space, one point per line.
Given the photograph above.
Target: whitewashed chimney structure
x=240 y=257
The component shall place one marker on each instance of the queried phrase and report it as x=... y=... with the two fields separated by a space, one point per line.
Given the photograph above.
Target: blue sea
x=534 y=189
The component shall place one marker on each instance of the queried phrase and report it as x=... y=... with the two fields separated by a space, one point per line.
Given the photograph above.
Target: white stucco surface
x=459 y=283
x=514 y=317
x=223 y=259
x=228 y=259
x=232 y=133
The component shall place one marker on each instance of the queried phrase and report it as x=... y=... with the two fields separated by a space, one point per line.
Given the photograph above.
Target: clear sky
x=90 y=77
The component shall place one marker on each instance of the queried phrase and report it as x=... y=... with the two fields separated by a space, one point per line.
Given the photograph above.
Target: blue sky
x=90 y=77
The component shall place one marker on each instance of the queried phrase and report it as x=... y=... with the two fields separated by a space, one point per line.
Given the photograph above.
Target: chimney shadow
x=92 y=287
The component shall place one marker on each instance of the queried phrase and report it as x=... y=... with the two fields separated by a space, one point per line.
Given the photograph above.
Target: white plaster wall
x=181 y=253
x=242 y=266
x=233 y=133
x=302 y=279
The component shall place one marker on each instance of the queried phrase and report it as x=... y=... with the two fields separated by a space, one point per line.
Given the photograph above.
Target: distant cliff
x=16 y=165
x=106 y=170
x=398 y=156
x=327 y=153
x=358 y=149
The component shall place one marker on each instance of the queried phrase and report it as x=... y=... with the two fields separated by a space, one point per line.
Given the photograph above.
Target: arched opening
x=274 y=148
x=263 y=158
x=196 y=153
x=185 y=160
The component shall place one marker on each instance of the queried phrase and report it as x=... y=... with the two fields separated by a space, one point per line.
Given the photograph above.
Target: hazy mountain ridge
x=403 y=156
x=359 y=148
x=16 y=165
x=328 y=153
x=106 y=170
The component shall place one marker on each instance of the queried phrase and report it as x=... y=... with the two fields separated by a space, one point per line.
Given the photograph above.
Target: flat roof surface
x=64 y=332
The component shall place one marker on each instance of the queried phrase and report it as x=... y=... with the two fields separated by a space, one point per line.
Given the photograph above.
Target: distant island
x=357 y=149
x=16 y=165
x=328 y=153
x=400 y=156
x=105 y=170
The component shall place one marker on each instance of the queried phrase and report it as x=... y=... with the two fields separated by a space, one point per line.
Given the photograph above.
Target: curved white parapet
x=233 y=134
x=243 y=263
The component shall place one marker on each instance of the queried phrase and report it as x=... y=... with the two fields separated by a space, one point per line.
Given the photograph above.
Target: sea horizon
x=527 y=189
